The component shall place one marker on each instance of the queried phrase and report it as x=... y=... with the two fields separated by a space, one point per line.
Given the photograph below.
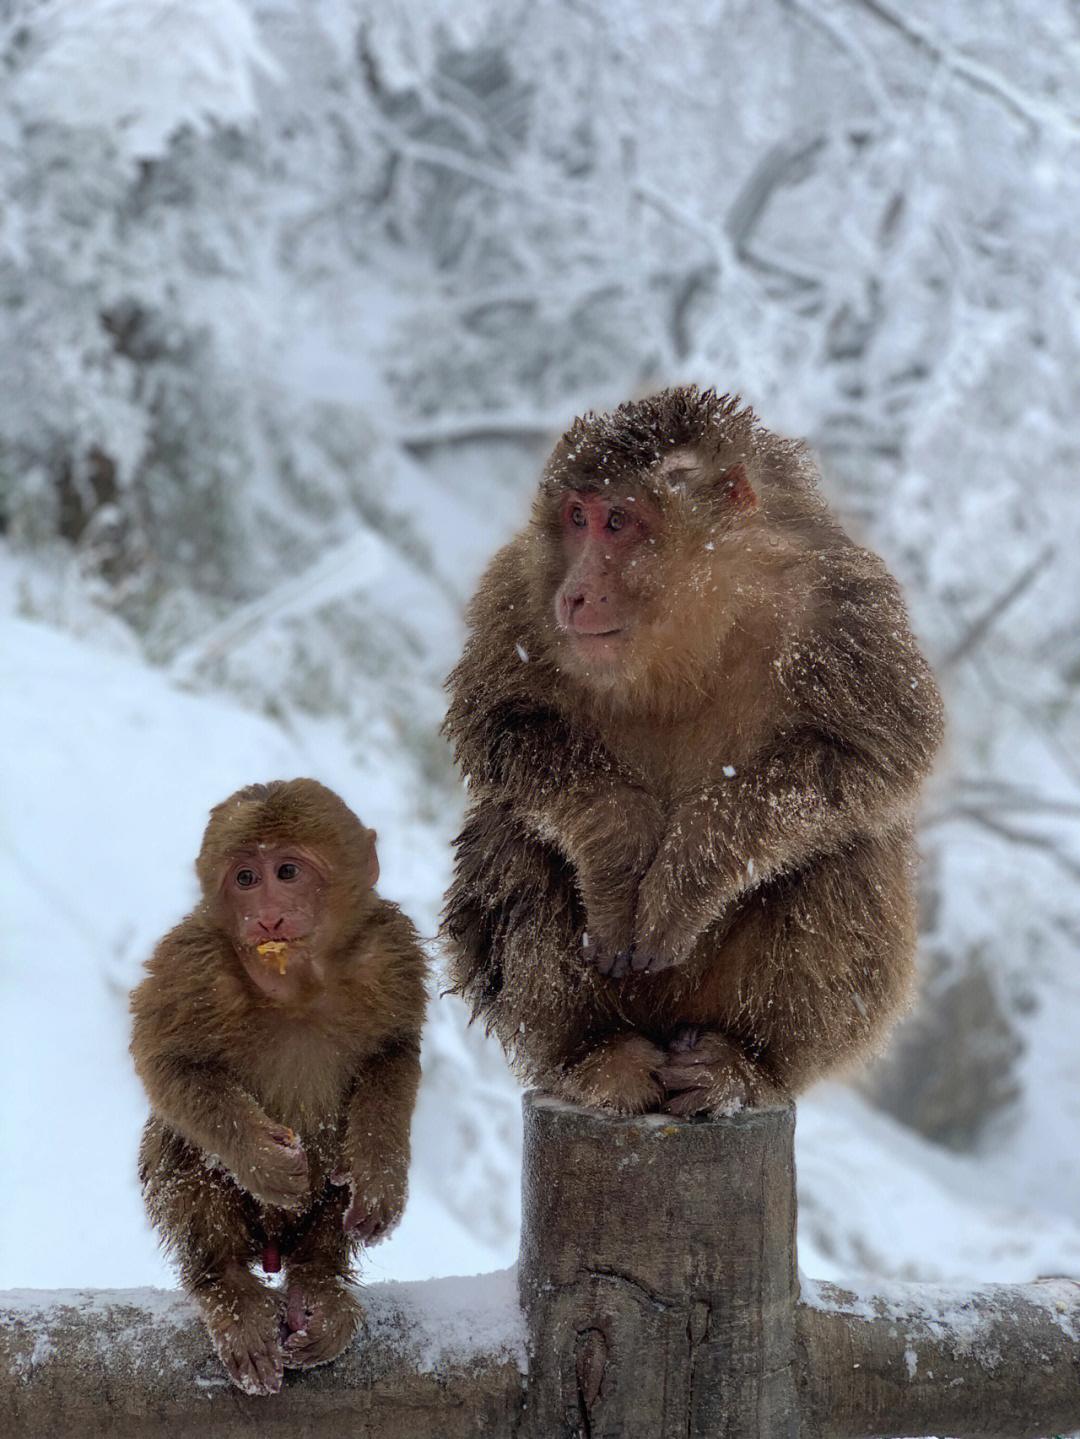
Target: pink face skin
x=602 y=537
x=274 y=893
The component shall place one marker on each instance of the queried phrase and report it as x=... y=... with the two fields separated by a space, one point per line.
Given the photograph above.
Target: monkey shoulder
x=391 y=966
x=186 y=995
x=504 y=656
x=855 y=670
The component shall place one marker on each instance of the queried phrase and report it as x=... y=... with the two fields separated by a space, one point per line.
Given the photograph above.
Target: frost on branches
x=293 y=296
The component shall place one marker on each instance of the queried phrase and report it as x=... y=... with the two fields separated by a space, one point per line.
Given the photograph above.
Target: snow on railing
x=656 y=1295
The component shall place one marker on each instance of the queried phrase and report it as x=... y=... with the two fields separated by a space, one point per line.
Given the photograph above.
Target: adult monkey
x=694 y=722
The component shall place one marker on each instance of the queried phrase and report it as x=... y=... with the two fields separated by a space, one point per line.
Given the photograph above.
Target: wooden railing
x=659 y=1297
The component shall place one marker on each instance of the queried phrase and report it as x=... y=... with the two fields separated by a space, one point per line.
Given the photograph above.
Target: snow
x=434 y=1325
x=935 y=1311
x=321 y=291
x=99 y=864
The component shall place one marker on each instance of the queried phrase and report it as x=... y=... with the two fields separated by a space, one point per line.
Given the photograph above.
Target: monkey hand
x=376 y=1203
x=608 y=937
x=705 y=1073
x=274 y=1168
x=660 y=940
x=611 y=843
x=675 y=907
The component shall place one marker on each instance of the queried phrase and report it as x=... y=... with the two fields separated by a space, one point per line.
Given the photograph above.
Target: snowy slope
x=107 y=770
x=106 y=773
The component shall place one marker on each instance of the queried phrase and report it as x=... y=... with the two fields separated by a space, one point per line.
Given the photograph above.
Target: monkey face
x=643 y=578
x=274 y=894
x=607 y=542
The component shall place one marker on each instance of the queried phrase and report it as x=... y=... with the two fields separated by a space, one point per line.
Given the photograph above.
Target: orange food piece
x=272 y=949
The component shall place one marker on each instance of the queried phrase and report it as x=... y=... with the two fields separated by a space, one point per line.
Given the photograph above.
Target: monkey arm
x=200 y=1101
x=206 y=1107
x=567 y=788
x=871 y=724
x=375 y=1153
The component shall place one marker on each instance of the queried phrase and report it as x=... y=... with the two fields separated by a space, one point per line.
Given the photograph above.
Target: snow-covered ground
x=107 y=770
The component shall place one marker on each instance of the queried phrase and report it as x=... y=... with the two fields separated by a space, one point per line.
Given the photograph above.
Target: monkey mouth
x=595 y=634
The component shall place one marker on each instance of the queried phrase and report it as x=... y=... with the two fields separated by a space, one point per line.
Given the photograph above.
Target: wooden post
x=657 y=1275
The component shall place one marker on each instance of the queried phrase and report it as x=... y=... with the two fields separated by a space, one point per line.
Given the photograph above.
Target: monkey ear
x=373 y=860
x=737 y=490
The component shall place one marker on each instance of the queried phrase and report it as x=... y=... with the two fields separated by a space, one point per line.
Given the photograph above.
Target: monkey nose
x=271 y=928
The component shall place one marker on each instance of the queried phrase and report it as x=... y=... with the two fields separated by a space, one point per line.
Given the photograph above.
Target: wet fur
x=339 y=1064
x=738 y=800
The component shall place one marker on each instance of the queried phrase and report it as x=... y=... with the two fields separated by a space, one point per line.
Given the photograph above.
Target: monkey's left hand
x=685 y=889
x=665 y=929
x=376 y=1202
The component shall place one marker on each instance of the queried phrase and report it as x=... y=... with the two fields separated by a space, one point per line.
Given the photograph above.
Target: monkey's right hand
x=608 y=936
x=611 y=842
x=273 y=1167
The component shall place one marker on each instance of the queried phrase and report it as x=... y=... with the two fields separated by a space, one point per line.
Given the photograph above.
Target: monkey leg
x=323 y=1312
x=212 y=1227
x=706 y=1073
x=205 y=1220
x=513 y=926
x=807 y=980
x=245 y=1321
x=618 y=1073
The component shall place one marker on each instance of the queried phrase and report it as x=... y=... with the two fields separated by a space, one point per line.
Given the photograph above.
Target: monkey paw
x=619 y=1074
x=245 y=1327
x=374 y=1208
x=610 y=957
x=705 y=1073
x=608 y=936
x=658 y=942
x=322 y=1315
x=276 y=1173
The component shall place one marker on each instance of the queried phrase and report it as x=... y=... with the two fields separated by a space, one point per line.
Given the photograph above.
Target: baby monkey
x=277 y=1034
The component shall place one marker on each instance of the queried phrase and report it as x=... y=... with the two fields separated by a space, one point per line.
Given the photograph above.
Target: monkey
x=694 y=722
x=277 y=1035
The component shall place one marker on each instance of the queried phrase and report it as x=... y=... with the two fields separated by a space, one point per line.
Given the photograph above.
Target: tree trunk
x=658 y=1276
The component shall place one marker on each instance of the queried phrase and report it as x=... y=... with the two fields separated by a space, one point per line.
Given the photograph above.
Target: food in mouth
x=274 y=949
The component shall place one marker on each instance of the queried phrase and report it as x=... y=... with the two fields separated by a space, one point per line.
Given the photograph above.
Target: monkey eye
x=578 y=517
x=616 y=520
x=288 y=871
x=246 y=878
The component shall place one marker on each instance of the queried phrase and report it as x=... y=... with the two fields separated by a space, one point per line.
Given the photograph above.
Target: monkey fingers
x=322 y=1316
x=277 y=1173
x=370 y=1216
x=611 y=963
x=618 y=1074
x=245 y=1326
x=706 y=1074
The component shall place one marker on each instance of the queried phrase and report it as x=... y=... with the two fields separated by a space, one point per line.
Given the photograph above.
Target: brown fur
x=730 y=805
x=229 y=1069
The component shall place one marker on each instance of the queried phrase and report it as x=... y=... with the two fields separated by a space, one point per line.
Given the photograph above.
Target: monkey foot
x=705 y=1073
x=619 y=1074
x=244 y=1321
x=322 y=1315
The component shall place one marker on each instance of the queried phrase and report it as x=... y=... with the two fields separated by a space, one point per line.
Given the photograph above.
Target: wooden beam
x=439 y=1360
x=999 y=1361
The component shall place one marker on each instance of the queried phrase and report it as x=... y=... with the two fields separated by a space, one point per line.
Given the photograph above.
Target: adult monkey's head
x=658 y=530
